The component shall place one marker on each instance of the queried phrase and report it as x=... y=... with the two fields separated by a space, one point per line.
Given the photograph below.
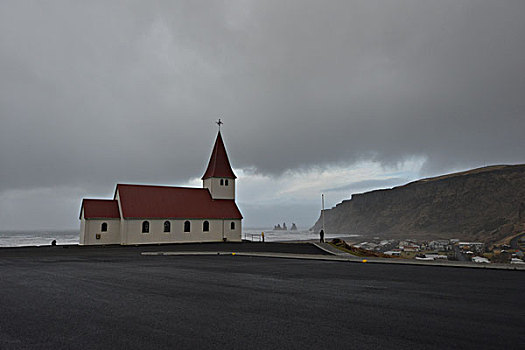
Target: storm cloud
x=98 y=92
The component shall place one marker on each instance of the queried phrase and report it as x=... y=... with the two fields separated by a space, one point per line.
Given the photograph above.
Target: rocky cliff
x=485 y=204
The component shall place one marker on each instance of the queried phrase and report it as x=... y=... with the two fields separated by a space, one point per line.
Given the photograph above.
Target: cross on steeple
x=219 y=123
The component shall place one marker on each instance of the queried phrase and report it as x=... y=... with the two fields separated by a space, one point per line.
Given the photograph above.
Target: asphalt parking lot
x=119 y=299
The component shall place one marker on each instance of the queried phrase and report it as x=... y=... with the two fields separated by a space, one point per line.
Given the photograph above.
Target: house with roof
x=146 y=214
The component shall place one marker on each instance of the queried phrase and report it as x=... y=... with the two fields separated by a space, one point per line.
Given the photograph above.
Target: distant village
x=446 y=249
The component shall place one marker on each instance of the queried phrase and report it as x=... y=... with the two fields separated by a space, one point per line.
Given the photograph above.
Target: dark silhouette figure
x=321 y=236
x=54 y=242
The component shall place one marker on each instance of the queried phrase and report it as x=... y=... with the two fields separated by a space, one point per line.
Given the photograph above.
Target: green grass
x=343 y=246
x=346 y=250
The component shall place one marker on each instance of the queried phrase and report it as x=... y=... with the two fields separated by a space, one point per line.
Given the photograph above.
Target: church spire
x=219 y=165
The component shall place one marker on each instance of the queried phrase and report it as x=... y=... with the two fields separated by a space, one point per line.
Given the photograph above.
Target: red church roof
x=219 y=165
x=100 y=209
x=150 y=202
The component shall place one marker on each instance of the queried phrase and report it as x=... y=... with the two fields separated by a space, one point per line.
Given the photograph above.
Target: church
x=146 y=214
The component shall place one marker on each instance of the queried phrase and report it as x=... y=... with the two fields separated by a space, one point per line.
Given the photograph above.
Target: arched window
x=226 y=182
x=167 y=226
x=104 y=227
x=222 y=182
x=145 y=226
x=232 y=225
x=205 y=226
x=187 y=226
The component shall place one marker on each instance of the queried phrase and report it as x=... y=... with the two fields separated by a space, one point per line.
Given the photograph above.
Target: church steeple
x=219 y=164
x=219 y=178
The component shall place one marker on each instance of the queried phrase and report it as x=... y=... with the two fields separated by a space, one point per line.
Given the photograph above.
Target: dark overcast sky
x=98 y=92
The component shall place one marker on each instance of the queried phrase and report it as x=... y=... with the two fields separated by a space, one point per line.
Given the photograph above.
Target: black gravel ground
x=113 y=298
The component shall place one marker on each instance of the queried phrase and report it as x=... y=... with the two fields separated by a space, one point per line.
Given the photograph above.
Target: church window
x=187 y=226
x=145 y=227
x=232 y=225
x=167 y=226
x=226 y=182
x=104 y=227
x=222 y=182
x=205 y=226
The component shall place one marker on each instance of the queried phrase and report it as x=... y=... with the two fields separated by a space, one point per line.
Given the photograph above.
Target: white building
x=144 y=214
x=393 y=253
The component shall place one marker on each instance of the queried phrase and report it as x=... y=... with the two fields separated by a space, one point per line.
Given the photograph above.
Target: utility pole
x=322 y=211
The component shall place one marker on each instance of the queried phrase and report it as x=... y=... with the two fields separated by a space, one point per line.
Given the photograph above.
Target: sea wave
x=37 y=238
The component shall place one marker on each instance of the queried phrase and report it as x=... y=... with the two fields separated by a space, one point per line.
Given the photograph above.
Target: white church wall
x=91 y=231
x=123 y=223
x=219 y=191
x=233 y=235
x=156 y=233
x=123 y=231
x=82 y=227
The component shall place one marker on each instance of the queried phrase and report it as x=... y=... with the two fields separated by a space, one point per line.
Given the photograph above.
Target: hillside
x=484 y=204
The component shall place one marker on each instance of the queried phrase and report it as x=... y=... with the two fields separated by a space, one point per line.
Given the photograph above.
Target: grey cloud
x=368 y=184
x=263 y=216
x=98 y=92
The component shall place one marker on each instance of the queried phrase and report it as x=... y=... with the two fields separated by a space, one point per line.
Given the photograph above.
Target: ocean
x=254 y=234
x=38 y=238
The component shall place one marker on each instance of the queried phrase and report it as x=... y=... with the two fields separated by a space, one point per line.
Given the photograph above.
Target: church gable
x=100 y=209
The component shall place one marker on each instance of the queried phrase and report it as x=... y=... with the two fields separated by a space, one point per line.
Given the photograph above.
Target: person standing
x=321 y=236
x=262 y=235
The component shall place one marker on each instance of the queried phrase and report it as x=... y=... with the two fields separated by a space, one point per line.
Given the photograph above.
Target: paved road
x=125 y=301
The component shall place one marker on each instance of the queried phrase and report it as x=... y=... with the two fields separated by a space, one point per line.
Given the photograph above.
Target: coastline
x=347 y=239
